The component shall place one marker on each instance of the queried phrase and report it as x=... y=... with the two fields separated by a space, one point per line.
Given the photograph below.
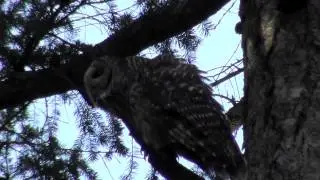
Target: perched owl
x=168 y=109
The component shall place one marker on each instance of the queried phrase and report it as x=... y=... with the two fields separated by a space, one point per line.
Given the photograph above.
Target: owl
x=169 y=110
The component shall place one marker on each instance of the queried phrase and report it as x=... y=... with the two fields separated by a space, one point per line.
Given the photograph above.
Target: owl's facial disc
x=105 y=84
x=98 y=81
x=97 y=72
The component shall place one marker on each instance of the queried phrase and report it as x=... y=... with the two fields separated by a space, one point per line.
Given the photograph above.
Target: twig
x=228 y=76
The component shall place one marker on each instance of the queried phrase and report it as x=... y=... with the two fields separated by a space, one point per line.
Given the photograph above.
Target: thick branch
x=145 y=31
x=156 y=27
x=27 y=86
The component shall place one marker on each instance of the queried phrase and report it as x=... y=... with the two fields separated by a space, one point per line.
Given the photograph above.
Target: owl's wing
x=150 y=126
x=201 y=131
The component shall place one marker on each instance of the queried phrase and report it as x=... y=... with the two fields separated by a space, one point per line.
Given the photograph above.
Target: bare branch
x=228 y=76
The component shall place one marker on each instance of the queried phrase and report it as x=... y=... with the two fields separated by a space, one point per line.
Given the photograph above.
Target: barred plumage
x=168 y=109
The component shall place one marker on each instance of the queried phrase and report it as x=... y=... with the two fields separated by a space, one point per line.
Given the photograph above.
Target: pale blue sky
x=214 y=51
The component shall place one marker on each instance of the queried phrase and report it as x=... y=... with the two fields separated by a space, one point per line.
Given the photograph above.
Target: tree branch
x=227 y=77
x=27 y=86
x=145 y=31
x=153 y=28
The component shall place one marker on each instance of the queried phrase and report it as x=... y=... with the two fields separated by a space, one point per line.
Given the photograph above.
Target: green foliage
x=30 y=152
x=94 y=131
x=49 y=161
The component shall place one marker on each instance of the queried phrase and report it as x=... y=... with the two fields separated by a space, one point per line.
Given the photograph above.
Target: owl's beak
x=90 y=99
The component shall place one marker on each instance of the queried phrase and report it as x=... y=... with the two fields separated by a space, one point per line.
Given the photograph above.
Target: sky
x=220 y=48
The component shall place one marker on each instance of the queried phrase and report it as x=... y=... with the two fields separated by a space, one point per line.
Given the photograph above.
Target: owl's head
x=100 y=79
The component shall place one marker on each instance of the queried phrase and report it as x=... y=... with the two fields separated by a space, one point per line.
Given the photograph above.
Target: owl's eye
x=98 y=72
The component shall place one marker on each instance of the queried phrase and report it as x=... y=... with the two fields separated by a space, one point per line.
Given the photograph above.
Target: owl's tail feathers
x=220 y=174
x=235 y=171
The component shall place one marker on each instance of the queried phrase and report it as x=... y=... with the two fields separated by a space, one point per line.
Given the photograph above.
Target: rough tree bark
x=281 y=43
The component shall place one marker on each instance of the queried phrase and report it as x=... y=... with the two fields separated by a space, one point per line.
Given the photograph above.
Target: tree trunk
x=281 y=43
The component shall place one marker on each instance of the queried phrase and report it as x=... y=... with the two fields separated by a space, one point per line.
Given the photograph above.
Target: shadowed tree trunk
x=281 y=43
